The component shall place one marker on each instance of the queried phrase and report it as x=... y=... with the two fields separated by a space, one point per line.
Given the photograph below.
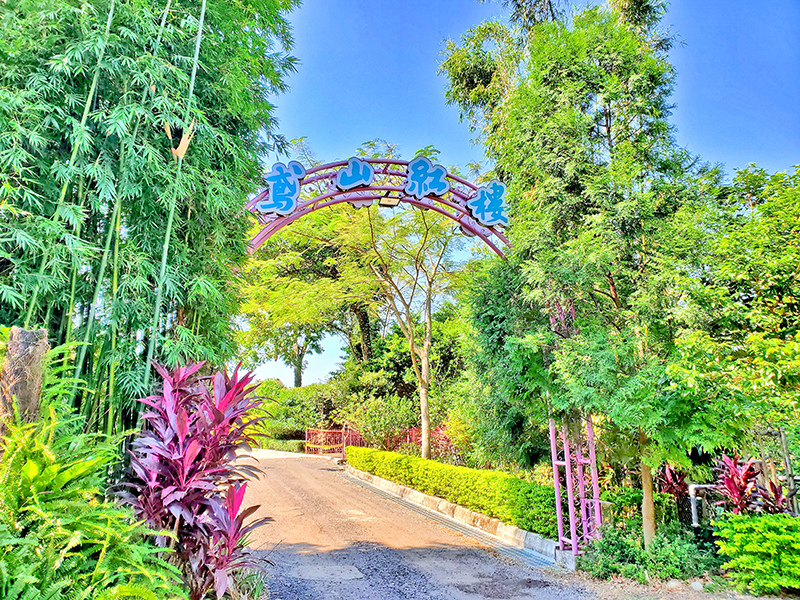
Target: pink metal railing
x=334 y=441
x=567 y=449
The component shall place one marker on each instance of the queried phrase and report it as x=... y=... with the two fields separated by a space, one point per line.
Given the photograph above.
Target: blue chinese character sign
x=480 y=211
x=425 y=179
x=357 y=173
x=284 y=188
x=488 y=205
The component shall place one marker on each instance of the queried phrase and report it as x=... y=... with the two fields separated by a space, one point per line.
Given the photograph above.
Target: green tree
x=741 y=343
x=576 y=119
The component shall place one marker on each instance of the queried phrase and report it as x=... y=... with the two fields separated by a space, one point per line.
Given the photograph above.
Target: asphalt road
x=333 y=539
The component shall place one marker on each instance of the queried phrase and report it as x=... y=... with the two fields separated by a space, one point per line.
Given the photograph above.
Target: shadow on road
x=367 y=571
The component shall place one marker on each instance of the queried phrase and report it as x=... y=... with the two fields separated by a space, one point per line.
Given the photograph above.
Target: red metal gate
x=331 y=441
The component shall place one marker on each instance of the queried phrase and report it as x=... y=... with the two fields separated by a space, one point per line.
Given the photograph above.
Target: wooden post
x=21 y=375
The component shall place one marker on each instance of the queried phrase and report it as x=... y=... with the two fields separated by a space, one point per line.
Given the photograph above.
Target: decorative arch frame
x=388 y=185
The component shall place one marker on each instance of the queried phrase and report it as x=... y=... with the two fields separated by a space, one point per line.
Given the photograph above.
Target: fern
x=60 y=538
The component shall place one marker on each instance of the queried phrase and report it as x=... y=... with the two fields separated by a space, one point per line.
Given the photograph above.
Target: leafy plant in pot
x=184 y=477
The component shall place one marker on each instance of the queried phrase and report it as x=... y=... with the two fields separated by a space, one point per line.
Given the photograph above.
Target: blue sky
x=368 y=69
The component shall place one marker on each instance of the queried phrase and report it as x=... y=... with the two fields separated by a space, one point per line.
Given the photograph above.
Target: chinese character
x=425 y=179
x=357 y=173
x=489 y=205
x=284 y=188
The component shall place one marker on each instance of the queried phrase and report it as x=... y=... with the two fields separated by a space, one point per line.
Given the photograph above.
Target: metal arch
x=451 y=205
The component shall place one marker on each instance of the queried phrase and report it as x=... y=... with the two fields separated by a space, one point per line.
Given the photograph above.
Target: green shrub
x=673 y=554
x=525 y=504
x=763 y=551
x=290 y=411
x=58 y=537
x=379 y=419
x=283 y=445
x=627 y=504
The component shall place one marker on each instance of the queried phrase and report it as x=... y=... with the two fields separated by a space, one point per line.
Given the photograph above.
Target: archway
x=480 y=211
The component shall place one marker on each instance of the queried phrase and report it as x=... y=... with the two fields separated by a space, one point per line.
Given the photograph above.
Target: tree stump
x=21 y=375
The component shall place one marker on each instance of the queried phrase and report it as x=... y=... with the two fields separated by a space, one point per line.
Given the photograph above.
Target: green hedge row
x=527 y=505
x=763 y=551
x=283 y=445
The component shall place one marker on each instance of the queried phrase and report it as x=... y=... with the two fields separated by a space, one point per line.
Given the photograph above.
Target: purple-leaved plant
x=737 y=483
x=185 y=480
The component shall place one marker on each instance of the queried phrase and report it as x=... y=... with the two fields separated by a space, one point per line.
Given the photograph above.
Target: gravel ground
x=371 y=571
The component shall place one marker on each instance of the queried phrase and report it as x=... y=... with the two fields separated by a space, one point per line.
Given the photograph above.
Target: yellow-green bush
x=522 y=503
x=763 y=551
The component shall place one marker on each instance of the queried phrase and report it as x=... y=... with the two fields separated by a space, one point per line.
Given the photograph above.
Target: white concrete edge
x=509 y=534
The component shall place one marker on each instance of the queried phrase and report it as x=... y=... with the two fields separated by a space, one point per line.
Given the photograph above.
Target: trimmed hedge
x=763 y=551
x=283 y=445
x=527 y=505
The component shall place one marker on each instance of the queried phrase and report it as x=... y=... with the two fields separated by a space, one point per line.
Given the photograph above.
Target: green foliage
x=60 y=537
x=298 y=446
x=763 y=551
x=87 y=175
x=607 y=211
x=493 y=493
x=673 y=554
x=5 y=332
x=627 y=505
x=742 y=346
x=290 y=411
x=379 y=418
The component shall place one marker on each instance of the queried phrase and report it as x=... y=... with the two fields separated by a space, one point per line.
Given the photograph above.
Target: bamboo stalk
x=170 y=219
x=114 y=287
x=96 y=296
x=74 y=277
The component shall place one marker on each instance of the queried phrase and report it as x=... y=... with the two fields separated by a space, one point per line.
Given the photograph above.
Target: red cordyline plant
x=185 y=480
x=673 y=482
x=737 y=484
x=773 y=500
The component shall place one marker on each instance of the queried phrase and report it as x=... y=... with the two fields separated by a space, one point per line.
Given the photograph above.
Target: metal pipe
x=693 y=487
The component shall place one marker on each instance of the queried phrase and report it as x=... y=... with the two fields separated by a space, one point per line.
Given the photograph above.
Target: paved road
x=333 y=539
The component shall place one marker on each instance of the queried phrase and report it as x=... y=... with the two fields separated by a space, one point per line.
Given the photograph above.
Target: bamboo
x=96 y=296
x=74 y=277
x=116 y=213
x=170 y=219
x=114 y=287
x=73 y=155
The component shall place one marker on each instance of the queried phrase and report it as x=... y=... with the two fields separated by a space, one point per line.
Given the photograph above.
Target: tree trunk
x=364 y=329
x=298 y=354
x=424 y=409
x=298 y=374
x=648 y=506
x=425 y=416
x=21 y=376
x=298 y=369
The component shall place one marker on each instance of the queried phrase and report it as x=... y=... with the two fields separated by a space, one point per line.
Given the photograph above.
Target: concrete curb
x=509 y=534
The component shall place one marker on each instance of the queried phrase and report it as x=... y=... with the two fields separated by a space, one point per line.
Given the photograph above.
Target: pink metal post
x=598 y=514
x=557 y=483
x=588 y=507
x=582 y=504
x=573 y=530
